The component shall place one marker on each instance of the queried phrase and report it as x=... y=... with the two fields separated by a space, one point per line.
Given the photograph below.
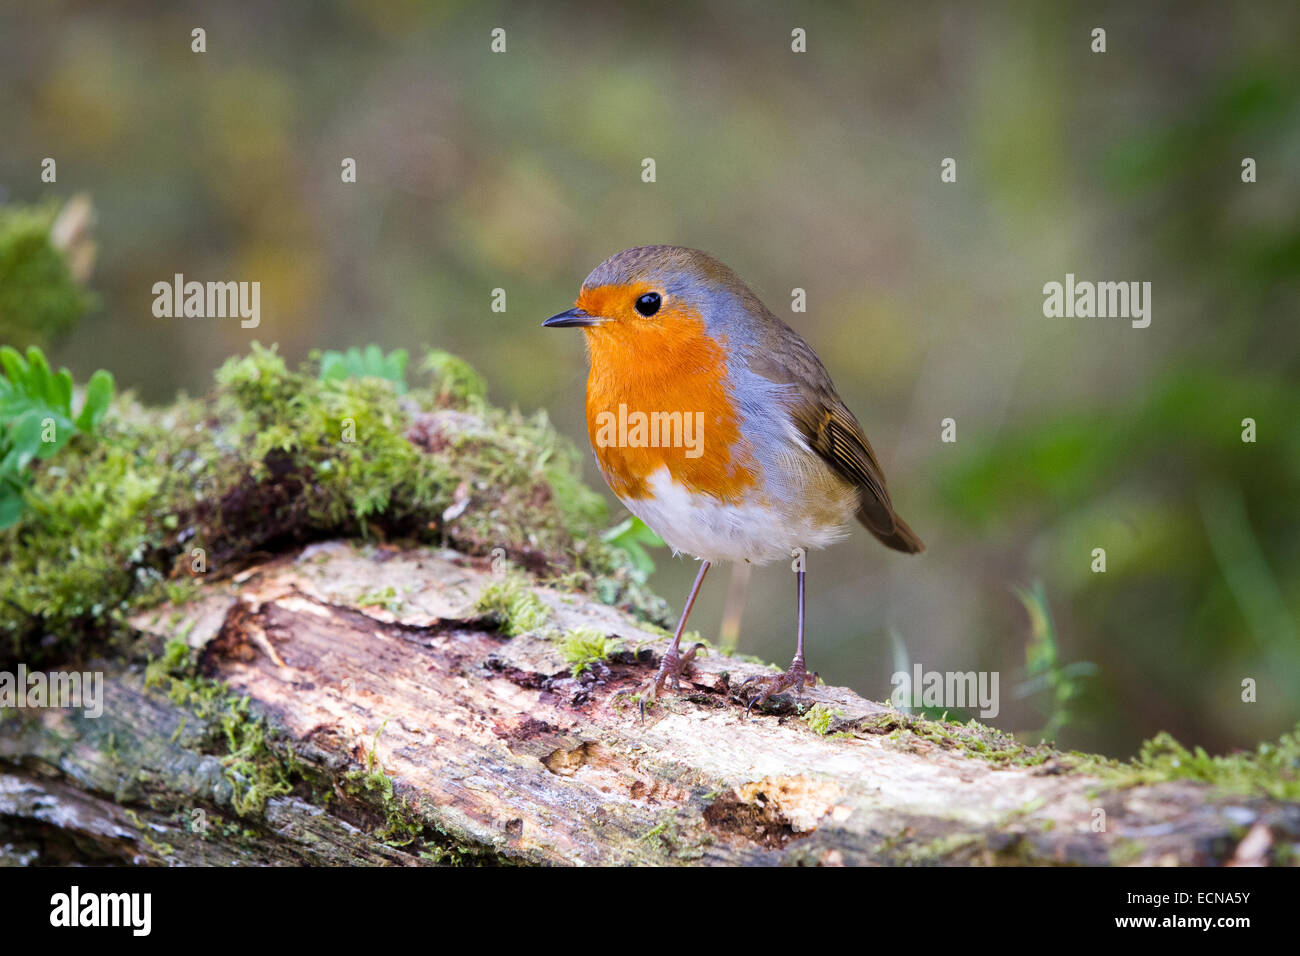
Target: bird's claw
x=797 y=677
x=671 y=667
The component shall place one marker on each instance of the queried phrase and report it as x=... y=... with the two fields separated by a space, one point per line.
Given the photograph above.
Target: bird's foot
x=671 y=668
x=797 y=677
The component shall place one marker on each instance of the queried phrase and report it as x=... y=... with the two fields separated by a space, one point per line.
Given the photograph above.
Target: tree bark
x=403 y=726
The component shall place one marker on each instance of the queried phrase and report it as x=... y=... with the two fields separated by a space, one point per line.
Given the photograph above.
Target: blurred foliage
x=1178 y=186
x=1199 y=528
x=40 y=298
x=633 y=536
x=370 y=362
x=1043 y=667
x=36 y=419
x=1187 y=428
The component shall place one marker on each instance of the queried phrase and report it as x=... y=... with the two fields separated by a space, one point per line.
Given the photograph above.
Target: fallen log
x=367 y=704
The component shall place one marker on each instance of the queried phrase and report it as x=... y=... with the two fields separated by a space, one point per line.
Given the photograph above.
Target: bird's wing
x=832 y=431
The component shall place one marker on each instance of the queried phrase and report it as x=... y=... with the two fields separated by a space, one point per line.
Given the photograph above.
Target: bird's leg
x=673 y=662
x=797 y=676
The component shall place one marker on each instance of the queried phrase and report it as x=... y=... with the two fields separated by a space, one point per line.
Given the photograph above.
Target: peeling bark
x=413 y=730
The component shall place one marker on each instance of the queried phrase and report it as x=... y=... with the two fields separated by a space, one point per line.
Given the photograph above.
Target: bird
x=717 y=425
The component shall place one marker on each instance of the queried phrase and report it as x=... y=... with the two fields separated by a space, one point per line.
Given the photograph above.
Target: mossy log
x=306 y=698
x=366 y=704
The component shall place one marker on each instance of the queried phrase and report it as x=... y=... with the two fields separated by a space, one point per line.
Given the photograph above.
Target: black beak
x=571 y=319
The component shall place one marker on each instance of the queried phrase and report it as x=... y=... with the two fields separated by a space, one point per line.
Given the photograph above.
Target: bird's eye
x=648 y=304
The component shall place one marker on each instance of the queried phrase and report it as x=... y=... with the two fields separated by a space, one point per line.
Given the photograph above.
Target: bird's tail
x=900 y=537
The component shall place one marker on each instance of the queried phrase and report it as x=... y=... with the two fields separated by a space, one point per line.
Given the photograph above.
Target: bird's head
x=650 y=295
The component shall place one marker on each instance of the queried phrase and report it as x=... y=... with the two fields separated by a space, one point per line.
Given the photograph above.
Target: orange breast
x=663 y=366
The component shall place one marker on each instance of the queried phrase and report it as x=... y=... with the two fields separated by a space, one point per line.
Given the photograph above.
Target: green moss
x=988 y=846
x=260 y=764
x=513 y=605
x=273 y=458
x=820 y=718
x=1125 y=852
x=162 y=849
x=454 y=379
x=1272 y=768
x=380 y=597
x=654 y=831
x=585 y=646
x=972 y=738
x=949 y=849
x=254 y=768
x=402 y=826
x=256 y=772
x=175 y=664
x=673 y=838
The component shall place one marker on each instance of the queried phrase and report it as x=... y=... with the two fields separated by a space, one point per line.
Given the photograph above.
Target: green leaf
x=62 y=390
x=332 y=367
x=370 y=363
x=63 y=430
x=24 y=440
x=396 y=366
x=36 y=416
x=40 y=380
x=632 y=537
x=15 y=368
x=11 y=505
x=99 y=392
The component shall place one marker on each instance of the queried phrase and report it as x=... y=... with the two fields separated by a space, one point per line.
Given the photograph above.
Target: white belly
x=713 y=530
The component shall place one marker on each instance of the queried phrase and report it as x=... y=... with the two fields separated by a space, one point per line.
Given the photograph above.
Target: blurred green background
x=818 y=170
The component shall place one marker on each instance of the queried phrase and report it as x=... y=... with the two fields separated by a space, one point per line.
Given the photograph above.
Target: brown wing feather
x=831 y=430
x=833 y=433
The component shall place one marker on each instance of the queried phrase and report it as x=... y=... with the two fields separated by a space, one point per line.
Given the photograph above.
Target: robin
x=718 y=426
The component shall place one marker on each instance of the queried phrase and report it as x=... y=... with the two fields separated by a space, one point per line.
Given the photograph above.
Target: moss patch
x=584 y=646
x=255 y=770
x=401 y=826
x=513 y=606
x=972 y=739
x=273 y=458
x=820 y=719
x=1272 y=769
